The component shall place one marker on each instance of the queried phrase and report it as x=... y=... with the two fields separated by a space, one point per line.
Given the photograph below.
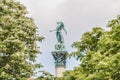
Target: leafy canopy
x=18 y=36
x=99 y=53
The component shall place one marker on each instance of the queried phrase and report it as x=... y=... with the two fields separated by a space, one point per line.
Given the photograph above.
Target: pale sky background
x=78 y=16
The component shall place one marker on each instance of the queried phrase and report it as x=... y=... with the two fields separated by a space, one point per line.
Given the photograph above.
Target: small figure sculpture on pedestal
x=59 y=28
x=60 y=52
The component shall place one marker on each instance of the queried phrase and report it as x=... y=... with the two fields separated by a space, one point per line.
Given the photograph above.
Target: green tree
x=99 y=53
x=45 y=76
x=18 y=36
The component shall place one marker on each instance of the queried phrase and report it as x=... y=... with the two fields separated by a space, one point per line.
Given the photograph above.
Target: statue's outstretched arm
x=52 y=30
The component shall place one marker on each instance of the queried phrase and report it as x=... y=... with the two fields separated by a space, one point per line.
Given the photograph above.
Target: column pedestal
x=59 y=71
x=60 y=62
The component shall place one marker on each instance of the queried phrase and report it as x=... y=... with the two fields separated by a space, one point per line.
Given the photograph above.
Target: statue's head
x=60 y=24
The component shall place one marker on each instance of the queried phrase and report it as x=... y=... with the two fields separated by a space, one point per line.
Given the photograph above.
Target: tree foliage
x=99 y=53
x=45 y=76
x=18 y=36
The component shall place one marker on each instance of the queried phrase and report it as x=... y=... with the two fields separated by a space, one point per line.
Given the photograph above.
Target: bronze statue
x=59 y=28
x=60 y=52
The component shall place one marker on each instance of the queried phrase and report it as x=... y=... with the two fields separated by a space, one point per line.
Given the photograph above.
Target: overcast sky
x=78 y=16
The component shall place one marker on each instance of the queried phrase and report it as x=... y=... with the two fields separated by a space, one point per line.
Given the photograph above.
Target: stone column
x=59 y=70
x=60 y=62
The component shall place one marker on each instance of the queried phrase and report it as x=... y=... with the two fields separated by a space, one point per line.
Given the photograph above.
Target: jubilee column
x=60 y=52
